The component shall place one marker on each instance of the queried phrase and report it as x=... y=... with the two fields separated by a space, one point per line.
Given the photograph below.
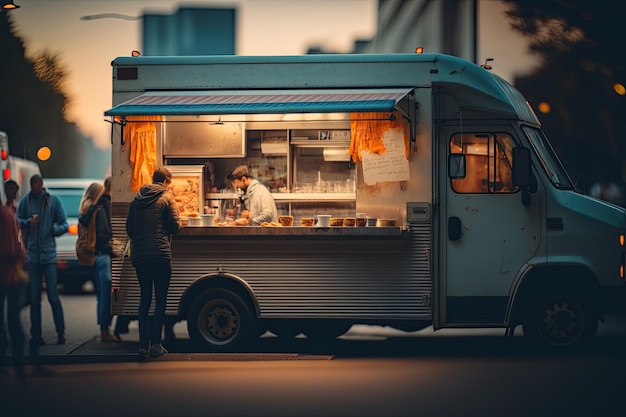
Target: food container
x=285 y=220
x=307 y=221
x=336 y=221
x=349 y=222
x=386 y=222
x=207 y=219
x=323 y=220
x=195 y=221
x=371 y=221
x=184 y=221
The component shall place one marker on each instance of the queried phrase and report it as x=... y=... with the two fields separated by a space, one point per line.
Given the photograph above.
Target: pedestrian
x=10 y=190
x=12 y=283
x=42 y=218
x=152 y=221
x=257 y=199
x=92 y=204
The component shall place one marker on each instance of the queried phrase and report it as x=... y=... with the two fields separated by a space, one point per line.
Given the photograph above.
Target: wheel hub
x=222 y=323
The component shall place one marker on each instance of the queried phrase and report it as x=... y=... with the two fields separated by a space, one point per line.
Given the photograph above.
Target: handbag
x=117 y=247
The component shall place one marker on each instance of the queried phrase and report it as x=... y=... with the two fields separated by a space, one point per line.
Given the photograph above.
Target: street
x=369 y=372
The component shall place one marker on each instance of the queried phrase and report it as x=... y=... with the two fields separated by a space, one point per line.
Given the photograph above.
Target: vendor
x=256 y=198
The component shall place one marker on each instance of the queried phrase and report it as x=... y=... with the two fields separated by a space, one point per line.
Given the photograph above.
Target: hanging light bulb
x=9 y=5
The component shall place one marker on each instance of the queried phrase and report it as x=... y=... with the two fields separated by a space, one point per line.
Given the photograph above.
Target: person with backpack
x=95 y=223
x=42 y=218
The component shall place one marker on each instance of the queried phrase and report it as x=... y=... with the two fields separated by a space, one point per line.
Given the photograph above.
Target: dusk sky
x=265 y=27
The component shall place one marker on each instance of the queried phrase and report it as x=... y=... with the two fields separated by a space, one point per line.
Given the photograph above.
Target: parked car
x=71 y=275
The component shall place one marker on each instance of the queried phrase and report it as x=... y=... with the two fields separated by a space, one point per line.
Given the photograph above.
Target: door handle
x=454 y=228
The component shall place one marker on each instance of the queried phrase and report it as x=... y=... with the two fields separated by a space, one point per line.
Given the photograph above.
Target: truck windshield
x=549 y=161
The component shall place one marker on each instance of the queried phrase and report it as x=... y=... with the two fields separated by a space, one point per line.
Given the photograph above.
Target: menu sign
x=392 y=165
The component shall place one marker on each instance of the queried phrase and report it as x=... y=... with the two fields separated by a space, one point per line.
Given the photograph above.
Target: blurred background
x=567 y=57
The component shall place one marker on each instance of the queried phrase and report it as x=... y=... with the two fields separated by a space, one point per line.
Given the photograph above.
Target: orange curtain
x=367 y=129
x=140 y=135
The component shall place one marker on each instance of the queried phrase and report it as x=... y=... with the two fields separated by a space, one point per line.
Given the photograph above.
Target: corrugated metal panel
x=363 y=277
x=259 y=102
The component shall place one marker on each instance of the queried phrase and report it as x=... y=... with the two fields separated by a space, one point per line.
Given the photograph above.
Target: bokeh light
x=619 y=89
x=44 y=153
x=544 y=107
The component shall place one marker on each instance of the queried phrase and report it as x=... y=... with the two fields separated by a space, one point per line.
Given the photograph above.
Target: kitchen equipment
x=195 y=221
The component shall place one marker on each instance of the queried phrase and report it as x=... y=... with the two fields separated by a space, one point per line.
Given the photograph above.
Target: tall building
x=190 y=31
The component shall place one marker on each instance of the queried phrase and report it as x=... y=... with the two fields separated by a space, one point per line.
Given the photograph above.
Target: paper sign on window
x=392 y=165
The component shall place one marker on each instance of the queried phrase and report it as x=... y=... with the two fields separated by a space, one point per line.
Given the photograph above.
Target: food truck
x=448 y=206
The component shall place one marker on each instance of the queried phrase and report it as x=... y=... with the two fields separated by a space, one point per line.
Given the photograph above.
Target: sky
x=265 y=27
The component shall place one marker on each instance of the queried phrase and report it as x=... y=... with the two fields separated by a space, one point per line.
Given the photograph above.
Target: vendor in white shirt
x=256 y=198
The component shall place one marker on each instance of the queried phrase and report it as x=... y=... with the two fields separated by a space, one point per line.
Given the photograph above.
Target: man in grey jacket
x=152 y=221
x=42 y=218
x=256 y=198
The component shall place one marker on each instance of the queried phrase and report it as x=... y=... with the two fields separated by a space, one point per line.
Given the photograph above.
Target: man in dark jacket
x=152 y=220
x=42 y=218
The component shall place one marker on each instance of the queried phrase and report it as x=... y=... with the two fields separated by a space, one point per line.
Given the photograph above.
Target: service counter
x=287 y=231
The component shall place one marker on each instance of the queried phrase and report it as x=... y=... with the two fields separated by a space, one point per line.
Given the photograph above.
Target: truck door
x=487 y=234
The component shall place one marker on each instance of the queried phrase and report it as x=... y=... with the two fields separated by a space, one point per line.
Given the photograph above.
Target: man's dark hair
x=238 y=173
x=8 y=183
x=35 y=179
x=161 y=175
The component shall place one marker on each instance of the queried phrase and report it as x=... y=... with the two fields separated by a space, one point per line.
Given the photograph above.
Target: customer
x=11 y=260
x=42 y=218
x=256 y=198
x=152 y=220
x=92 y=204
x=10 y=190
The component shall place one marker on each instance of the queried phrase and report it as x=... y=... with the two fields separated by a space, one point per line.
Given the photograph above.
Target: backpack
x=86 y=242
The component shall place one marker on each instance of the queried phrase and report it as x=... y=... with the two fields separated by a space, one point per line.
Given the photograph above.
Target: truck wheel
x=560 y=321
x=324 y=330
x=219 y=320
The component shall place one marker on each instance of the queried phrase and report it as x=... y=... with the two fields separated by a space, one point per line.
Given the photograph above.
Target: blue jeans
x=157 y=274
x=102 y=268
x=35 y=273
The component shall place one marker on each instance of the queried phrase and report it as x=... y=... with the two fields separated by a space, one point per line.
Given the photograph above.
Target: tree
x=580 y=44
x=33 y=105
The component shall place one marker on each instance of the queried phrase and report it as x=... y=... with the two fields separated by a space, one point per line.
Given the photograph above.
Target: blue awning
x=166 y=103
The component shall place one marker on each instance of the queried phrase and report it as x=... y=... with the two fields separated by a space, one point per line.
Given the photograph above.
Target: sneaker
x=60 y=339
x=143 y=353
x=157 y=349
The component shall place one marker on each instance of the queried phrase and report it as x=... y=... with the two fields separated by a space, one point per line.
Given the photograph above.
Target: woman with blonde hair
x=91 y=205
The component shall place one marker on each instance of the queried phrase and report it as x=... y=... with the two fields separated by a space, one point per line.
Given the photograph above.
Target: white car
x=70 y=274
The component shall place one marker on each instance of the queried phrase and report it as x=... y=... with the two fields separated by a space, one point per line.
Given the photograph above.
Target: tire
x=560 y=321
x=220 y=321
x=325 y=330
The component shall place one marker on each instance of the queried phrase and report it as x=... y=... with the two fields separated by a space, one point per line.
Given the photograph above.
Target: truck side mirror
x=521 y=167
x=456 y=166
x=522 y=174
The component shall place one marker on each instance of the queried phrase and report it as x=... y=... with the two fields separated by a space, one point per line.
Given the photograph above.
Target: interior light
x=419 y=50
x=5 y=155
x=9 y=5
x=6 y=174
x=621 y=240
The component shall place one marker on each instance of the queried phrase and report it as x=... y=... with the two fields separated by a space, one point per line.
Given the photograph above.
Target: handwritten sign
x=390 y=166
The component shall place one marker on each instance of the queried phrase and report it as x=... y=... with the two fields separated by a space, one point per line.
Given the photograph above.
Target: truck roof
x=474 y=87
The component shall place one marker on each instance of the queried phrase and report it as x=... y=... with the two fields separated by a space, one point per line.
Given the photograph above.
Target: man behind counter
x=257 y=199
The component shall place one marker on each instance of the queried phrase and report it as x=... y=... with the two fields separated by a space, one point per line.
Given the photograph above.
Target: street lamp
x=9 y=5
x=110 y=16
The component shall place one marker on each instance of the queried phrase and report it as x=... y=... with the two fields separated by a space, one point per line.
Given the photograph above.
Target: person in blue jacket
x=42 y=218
